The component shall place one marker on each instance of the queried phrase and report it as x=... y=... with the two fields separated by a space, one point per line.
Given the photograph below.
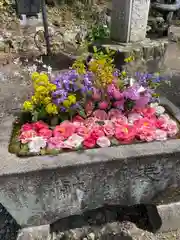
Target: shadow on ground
x=172 y=92
x=8 y=226
x=144 y=216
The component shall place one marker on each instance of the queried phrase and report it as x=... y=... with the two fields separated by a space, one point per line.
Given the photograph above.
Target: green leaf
x=43 y=151
x=79 y=148
x=82 y=113
x=34 y=116
x=24 y=150
x=95 y=49
x=52 y=151
x=114 y=142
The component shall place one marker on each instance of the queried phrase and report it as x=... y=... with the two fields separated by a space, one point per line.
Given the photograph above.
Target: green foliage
x=98 y=32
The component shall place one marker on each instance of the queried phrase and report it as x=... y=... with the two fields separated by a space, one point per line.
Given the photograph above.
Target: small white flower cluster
x=159 y=109
x=36 y=144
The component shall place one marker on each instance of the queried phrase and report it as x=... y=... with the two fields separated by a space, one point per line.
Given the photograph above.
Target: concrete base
x=149 y=53
x=40 y=190
x=170 y=215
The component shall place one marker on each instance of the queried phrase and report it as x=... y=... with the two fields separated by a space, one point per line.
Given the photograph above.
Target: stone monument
x=129 y=20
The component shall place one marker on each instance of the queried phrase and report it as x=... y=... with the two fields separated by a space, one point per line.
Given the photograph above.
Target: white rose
x=36 y=144
x=103 y=142
x=159 y=110
x=74 y=141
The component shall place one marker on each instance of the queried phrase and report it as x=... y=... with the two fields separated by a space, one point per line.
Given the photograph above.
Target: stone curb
x=40 y=233
x=170 y=215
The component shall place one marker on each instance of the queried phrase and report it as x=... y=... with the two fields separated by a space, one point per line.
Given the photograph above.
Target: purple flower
x=132 y=92
x=116 y=73
x=59 y=92
x=63 y=109
x=75 y=106
x=58 y=101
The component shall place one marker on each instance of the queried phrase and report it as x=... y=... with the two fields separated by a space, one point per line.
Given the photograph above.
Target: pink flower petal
x=103 y=142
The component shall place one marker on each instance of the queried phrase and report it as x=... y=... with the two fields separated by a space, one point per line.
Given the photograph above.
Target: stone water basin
x=41 y=189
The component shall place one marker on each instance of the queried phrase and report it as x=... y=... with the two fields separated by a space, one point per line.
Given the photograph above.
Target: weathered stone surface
x=169 y=213
x=129 y=20
x=139 y=19
x=151 y=52
x=39 y=190
x=39 y=233
x=174 y=33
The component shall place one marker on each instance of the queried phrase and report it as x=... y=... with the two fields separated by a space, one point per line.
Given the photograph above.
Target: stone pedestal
x=129 y=20
x=148 y=53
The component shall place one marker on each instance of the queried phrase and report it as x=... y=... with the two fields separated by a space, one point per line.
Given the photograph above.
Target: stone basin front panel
x=40 y=190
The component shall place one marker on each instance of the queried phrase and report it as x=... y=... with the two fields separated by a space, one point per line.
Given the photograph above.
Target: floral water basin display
x=90 y=105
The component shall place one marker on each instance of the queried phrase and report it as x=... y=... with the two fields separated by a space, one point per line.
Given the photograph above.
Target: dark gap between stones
x=8 y=226
x=145 y=216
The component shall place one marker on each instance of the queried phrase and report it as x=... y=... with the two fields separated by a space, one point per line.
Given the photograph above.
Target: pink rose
x=78 y=121
x=172 y=128
x=65 y=129
x=103 y=142
x=89 y=107
x=100 y=114
x=119 y=104
x=117 y=94
x=148 y=112
x=97 y=132
x=103 y=105
x=110 y=89
x=77 y=124
x=161 y=123
x=143 y=123
x=26 y=136
x=45 y=133
x=78 y=118
x=145 y=129
x=39 y=125
x=133 y=117
x=74 y=141
x=114 y=114
x=56 y=143
x=90 y=122
x=146 y=134
x=82 y=131
x=96 y=95
x=120 y=121
x=109 y=129
x=89 y=142
x=26 y=127
x=160 y=135
x=125 y=133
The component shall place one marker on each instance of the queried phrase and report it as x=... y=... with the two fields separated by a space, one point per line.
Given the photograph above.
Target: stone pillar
x=129 y=20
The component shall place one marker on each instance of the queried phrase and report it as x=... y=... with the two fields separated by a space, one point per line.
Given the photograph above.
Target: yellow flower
x=38 y=96
x=34 y=99
x=47 y=100
x=72 y=99
x=52 y=87
x=123 y=73
x=28 y=106
x=66 y=103
x=34 y=76
x=41 y=90
x=51 y=108
x=129 y=59
x=44 y=77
